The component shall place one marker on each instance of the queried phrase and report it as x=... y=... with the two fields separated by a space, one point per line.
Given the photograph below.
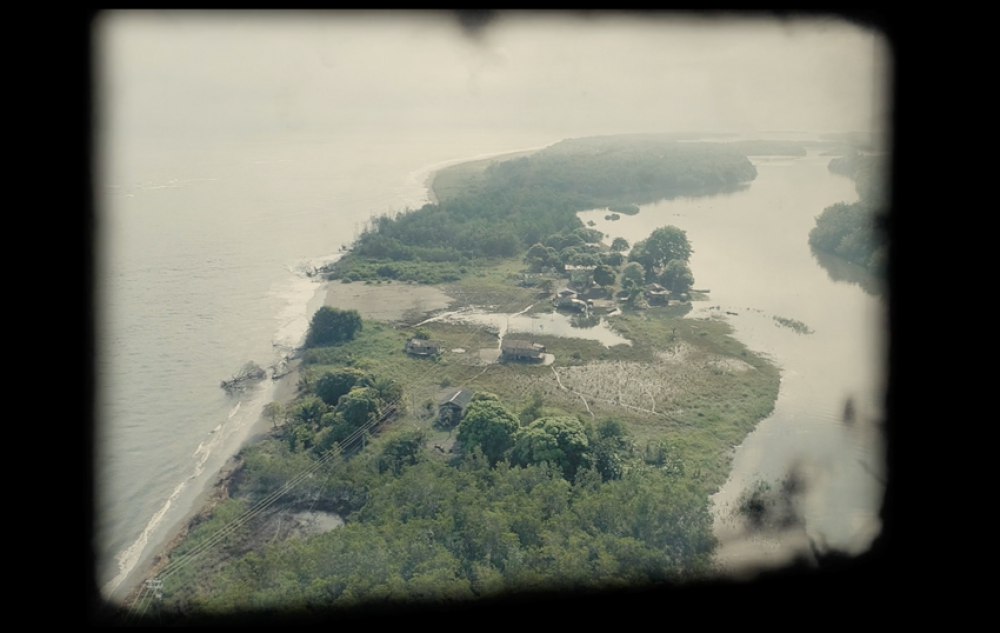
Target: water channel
x=751 y=252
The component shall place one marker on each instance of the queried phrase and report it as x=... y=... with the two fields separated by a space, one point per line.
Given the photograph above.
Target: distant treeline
x=769 y=148
x=521 y=202
x=852 y=231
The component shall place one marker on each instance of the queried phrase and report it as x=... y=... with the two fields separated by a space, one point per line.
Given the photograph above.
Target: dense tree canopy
x=633 y=275
x=524 y=201
x=359 y=406
x=489 y=426
x=613 y=259
x=663 y=245
x=561 y=441
x=589 y=235
x=611 y=449
x=604 y=275
x=426 y=531
x=619 y=244
x=332 y=325
x=676 y=276
x=332 y=385
x=851 y=230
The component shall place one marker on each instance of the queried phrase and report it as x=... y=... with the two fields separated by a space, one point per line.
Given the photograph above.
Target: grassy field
x=686 y=383
x=686 y=390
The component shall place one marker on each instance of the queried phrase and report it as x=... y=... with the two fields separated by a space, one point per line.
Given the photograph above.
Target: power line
x=358 y=434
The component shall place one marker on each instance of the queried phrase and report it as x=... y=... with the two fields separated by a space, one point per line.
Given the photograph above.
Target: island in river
x=592 y=470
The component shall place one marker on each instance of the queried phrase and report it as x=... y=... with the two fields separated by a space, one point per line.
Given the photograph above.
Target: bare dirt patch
x=728 y=365
x=387 y=302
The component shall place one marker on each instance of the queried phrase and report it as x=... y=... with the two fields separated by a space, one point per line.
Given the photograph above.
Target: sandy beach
x=395 y=302
x=388 y=302
x=207 y=499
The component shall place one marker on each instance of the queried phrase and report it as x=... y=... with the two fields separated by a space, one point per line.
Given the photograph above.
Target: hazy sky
x=162 y=70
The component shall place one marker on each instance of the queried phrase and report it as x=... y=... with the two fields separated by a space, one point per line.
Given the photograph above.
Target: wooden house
x=521 y=350
x=657 y=295
x=420 y=347
x=573 y=303
x=564 y=295
x=581 y=276
x=452 y=408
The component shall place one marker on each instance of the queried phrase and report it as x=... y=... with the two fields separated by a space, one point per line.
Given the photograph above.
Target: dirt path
x=616 y=402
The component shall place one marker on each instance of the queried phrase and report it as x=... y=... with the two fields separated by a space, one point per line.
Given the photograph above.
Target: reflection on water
x=752 y=250
x=590 y=327
x=841 y=270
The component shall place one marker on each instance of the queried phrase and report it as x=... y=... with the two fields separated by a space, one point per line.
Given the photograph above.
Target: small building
x=421 y=347
x=528 y=280
x=573 y=303
x=657 y=294
x=452 y=408
x=581 y=276
x=521 y=350
x=602 y=306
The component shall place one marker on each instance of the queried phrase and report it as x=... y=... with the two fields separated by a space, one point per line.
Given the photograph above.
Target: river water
x=203 y=243
x=751 y=252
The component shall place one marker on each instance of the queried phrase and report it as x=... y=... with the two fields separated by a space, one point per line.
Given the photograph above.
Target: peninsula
x=432 y=445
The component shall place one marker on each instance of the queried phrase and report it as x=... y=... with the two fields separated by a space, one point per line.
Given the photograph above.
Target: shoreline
x=206 y=500
x=285 y=392
x=473 y=162
x=371 y=302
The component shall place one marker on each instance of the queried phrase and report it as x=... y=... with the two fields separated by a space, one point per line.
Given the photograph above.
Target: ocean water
x=203 y=244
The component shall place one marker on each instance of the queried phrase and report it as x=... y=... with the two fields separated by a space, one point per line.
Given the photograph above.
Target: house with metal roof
x=657 y=294
x=421 y=347
x=453 y=406
x=512 y=349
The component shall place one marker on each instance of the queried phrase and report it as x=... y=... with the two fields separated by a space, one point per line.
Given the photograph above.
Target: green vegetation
x=332 y=325
x=594 y=471
x=853 y=231
x=559 y=497
x=489 y=427
x=798 y=326
x=561 y=441
x=432 y=532
x=664 y=245
x=634 y=275
x=676 y=276
x=624 y=209
x=619 y=244
x=662 y=258
x=502 y=209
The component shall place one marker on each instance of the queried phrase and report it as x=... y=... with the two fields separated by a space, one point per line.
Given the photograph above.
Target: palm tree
x=385 y=389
